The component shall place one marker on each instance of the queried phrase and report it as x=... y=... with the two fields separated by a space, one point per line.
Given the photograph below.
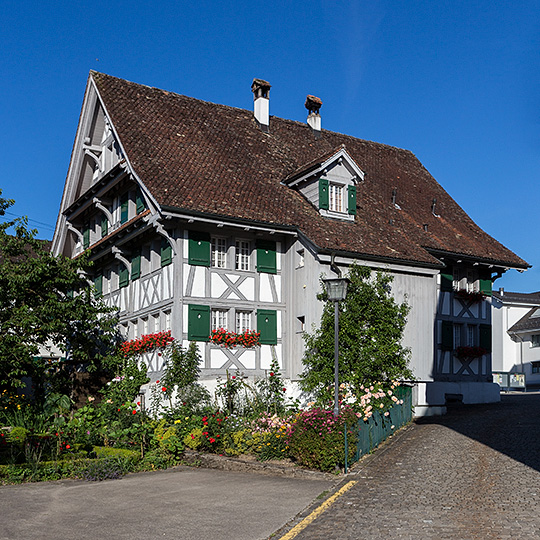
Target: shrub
x=316 y=438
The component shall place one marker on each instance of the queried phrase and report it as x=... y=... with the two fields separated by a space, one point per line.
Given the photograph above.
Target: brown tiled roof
x=528 y=323
x=205 y=158
x=518 y=297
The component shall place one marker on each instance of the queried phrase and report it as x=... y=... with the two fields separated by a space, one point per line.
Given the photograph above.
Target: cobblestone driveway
x=472 y=474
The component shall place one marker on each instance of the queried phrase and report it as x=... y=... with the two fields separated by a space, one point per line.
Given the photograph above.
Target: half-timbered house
x=202 y=216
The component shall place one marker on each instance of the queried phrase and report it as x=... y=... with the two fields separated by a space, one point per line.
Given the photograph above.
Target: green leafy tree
x=371 y=326
x=46 y=300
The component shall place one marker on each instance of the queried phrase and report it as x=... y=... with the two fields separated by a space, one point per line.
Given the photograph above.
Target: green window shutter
x=485 y=336
x=267 y=326
x=486 y=285
x=198 y=323
x=135 y=267
x=199 y=248
x=323 y=194
x=266 y=257
x=98 y=285
x=123 y=276
x=447 y=279
x=139 y=201
x=104 y=227
x=124 y=208
x=166 y=252
x=447 y=335
x=352 y=200
x=86 y=236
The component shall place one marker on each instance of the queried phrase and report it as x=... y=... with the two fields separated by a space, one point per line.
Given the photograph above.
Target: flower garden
x=121 y=429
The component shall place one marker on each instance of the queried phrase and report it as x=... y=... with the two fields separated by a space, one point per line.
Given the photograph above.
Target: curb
x=226 y=463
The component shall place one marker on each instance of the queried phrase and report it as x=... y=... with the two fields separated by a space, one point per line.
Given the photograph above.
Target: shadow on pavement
x=511 y=427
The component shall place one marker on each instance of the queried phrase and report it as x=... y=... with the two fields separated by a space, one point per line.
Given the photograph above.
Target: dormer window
x=336 y=197
x=336 y=176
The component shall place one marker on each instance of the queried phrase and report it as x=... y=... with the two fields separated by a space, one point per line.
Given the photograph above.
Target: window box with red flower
x=472 y=296
x=229 y=340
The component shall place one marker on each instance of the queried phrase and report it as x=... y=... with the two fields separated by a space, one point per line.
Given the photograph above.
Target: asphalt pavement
x=181 y=503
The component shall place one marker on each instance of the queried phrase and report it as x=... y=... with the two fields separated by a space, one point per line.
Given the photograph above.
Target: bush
x=316 y=438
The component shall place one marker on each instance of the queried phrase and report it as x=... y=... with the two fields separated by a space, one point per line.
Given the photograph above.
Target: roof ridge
x=231 y=107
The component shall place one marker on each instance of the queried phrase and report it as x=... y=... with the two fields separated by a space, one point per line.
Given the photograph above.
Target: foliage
x=235 y=394
x=168 y=438
x=209 y=434
x=43 y=300
x=316 y=438
x=271 y=390
x=371 y=326
x=181 y=367
x=125 y=386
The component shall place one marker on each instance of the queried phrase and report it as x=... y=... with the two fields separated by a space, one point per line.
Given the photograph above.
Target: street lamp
x=336 y=289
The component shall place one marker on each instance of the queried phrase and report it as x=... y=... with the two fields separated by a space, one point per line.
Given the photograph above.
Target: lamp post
x=336 y=289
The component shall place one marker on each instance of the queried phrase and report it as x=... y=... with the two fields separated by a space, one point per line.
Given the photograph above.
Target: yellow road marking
x=318 y=511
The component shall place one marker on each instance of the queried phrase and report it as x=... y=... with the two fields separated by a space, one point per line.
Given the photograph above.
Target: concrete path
x=473 y=474
x=183 y=503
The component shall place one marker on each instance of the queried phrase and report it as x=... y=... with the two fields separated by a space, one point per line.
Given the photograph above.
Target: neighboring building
x=516 y=336
x=202 y=216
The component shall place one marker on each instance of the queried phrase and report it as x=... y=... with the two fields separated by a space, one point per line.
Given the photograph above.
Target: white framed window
x=457 y=335
x=167 y=320
x=471 y=336
x=301 y=260
x=145 y=326
x=243 y=321
x=336 y=197
x=219 y=319
x=535 y=340
x=156 y=326
x=219 y=252
x=471 y=282
x=300 y=324
x=133 y=330
x=243 y=250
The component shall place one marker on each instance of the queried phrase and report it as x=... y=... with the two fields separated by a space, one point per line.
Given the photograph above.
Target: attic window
x=336 y=197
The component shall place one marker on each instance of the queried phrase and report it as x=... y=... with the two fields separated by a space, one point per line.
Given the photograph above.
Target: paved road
x=473 y=474
x=184 y=503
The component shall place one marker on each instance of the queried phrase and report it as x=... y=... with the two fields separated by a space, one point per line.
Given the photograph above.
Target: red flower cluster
x=224 y=338
x=470 y=352
x=147 y=343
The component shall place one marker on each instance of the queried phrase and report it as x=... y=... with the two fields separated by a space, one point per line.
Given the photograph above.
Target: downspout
x=333 y=266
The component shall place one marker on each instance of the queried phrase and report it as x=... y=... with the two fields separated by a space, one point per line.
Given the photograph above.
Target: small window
x=535 y=340
x=219 y=252
x=456 y=278
x=301 y=324
x=156 y=322
x=243 y=250
x=300 y=257
x=457 y=335
x=219 y=319
x=167 y=320
x=336 y=197
x=471 y=336
x=535 y=367
x=243 y=321
x=145 y=326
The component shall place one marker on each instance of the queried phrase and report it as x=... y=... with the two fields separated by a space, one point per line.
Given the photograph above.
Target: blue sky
x=455 y=82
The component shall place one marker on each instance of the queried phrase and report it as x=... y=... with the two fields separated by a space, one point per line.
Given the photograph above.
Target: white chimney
x=313 y=104
x=261 y=102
